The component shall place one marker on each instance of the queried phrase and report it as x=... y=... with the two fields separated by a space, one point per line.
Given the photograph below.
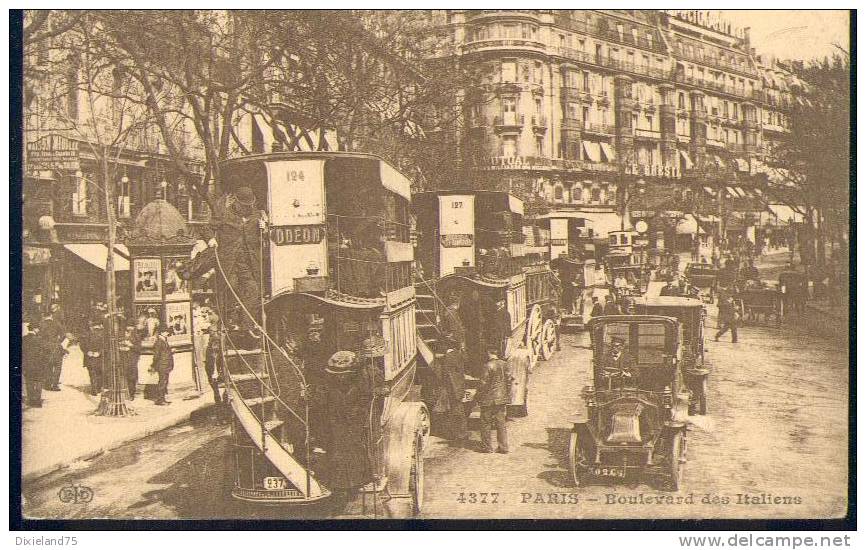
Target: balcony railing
x=539 y=121
x=573 y=123
x=523 y=43
x=679 y=76
x=583 y=165
x=647 y=133
x=609 y=62
x=716 y=62
x=596 y=128
x=508 y=119
x=583 y=94
x=775 y=128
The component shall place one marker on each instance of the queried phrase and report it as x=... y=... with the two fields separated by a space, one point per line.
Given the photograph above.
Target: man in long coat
x=163 y=364
x=33 y=364
x=129 y=348
x=493 y=398
x=237 y=227
x=52 y=335
x=348 y=401
x=93 y=347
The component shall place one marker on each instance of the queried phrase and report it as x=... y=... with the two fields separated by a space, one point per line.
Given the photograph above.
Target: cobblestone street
x=777 y=425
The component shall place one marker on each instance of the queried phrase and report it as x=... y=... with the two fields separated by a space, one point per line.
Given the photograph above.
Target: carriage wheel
x=676 y=461
x=577 y=459
x=702 y=397
x=534 y=335
x=548 y=339
x=416 y=474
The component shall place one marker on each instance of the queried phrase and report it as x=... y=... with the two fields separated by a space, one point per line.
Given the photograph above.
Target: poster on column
x=176 y=288
x=177 y=317
x=147 y=279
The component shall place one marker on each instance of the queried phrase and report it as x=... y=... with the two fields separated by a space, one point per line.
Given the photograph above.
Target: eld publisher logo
x=75 y=494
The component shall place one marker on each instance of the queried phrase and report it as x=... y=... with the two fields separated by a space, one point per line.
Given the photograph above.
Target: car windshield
x=644 y=342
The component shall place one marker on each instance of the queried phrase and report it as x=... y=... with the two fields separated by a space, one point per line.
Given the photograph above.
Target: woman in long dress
x=72 y=369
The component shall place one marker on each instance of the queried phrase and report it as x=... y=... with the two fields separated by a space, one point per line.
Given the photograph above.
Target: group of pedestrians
x=49 y=348
x=475 y=334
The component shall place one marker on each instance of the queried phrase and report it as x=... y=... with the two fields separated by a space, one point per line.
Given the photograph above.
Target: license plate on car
x=274 y=483
x=609 y=472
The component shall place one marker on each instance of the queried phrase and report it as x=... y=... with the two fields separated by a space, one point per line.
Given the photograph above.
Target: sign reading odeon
x=297 y=234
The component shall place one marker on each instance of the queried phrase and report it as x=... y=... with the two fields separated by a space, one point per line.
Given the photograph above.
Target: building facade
x=581 y=109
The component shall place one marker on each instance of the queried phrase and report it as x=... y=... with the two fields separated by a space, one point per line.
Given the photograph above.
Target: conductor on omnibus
x=236 y=227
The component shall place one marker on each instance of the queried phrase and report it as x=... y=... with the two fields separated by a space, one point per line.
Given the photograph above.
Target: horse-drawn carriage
x=328 y=399
x=705 y=278
x=758 y=300
x=470 y=248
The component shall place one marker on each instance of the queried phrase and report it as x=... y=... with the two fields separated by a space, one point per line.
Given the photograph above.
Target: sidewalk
x=65 y=430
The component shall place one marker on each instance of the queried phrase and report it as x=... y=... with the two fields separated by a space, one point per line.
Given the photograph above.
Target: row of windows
x=577 y=194
x=526 y=31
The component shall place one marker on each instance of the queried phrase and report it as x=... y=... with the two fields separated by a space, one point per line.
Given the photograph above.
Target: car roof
x=669 y=301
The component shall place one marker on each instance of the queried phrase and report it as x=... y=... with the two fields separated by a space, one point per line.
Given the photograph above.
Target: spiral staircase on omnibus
x=267 y=393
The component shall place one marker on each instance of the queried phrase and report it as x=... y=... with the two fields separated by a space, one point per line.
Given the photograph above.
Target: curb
x=164 y=424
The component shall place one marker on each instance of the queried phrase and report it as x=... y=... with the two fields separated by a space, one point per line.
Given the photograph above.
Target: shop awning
x=608 y=151
x=687 y=160
x=687 y=226
x=710 y=191
x=731 y=191
x=97 y=254
x=742 y=165
x=592 y=150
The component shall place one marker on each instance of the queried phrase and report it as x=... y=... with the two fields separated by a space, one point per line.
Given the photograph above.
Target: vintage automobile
x=635 y=277
x=634 y=422
x=691 y=314
x=705 y=278
x=336 y=277
x=580 y=282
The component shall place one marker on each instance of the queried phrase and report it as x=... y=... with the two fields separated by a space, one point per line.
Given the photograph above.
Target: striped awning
x=608 y=151
x=96 y=255
x=592 y=150
x=687 y=160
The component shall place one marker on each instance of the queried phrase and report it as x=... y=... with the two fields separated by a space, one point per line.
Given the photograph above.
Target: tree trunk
x=820 y=244
x=113 y=400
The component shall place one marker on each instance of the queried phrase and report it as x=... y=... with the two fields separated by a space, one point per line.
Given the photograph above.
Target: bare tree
x=86 y=96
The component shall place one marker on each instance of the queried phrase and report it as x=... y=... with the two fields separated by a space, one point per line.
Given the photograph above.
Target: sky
x=793 y=34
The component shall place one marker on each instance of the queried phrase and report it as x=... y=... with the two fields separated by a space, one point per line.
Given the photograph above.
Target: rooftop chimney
x=747 y=37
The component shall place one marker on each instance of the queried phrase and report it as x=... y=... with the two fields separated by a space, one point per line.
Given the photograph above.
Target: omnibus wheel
x=416 y=474
x=548 y=339
x=702 y=397
x=676 y=461
x=577 y=459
